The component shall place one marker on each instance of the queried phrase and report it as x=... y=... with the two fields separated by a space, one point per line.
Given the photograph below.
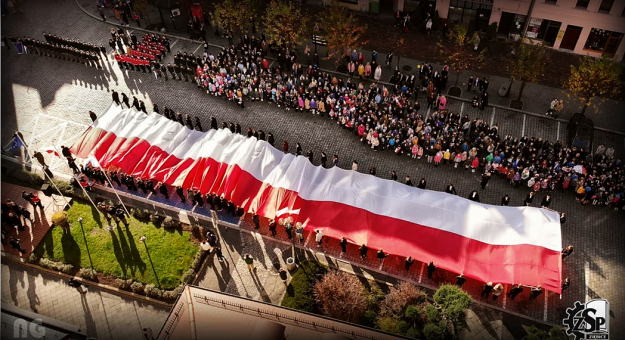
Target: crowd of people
x=65 y=49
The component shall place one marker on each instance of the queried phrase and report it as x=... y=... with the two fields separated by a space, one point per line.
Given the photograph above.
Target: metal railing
x=279 y=317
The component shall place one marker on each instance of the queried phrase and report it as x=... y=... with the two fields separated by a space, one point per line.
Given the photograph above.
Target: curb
x=338 y=73
x=20 y=261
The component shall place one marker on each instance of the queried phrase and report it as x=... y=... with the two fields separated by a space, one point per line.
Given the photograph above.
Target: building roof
x=202 y=313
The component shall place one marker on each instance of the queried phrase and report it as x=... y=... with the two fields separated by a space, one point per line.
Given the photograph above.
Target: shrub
x=155 y=218
x=64 y=187
x=414 y=333
x=33 y=258
x=197 y=261
x=374 y=295
x=402 y=326
x=433 y=331
x=152 y=291
x=299 y=292
x=413 y=314
x=491 y=32
x=432 y=313
x=137 y=287
x=123 y=284
x=89 y=273
x=179 y=289
x=402 y=296
x=369 y=318
x=28 y=177
x=58 y=266
x=169 y=222
x=453 y=301
x=389 y=324
x=60 y=218
x=188 y=276
x=140 y=214
x=346 y=288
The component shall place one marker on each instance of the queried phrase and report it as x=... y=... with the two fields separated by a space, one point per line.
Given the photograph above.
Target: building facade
x=589 y=27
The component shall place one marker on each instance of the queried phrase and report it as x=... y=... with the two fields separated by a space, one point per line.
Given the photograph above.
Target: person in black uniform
x=126 y=100
x=121 y=214
x=198 y=124
x=180 y=193
x=505 y=200
x=149 y=185
x=450 y=189
x=135 y=103
x=155 y=108
x=115 y=96
x=422 y=183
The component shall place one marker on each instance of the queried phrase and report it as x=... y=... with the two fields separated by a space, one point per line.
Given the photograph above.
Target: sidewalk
x=536 y=97
x=100 y=314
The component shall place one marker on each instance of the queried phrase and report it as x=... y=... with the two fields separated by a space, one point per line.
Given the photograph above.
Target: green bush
x=414 y=333
x=402 y=326
x=299 y=292
x=453 y=301
x=413 y=314
x=389 y=324
x=369 y=318
x=373 y=295
x=432 y=313
x=491 y=33
x=433 y=331
x=89 y=273
x=169 y=222
x=137 y=287
x=27 y=177
x=123 y=284
x=64 y=187
x=33 y=258
x=199 y=258
x=152 y=291
x=156 y=219
x=140 y=214
x=188 y=276
x=58 y=266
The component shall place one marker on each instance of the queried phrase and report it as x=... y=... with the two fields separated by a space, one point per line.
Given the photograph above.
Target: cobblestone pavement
x=48 y=100
x=103 y=315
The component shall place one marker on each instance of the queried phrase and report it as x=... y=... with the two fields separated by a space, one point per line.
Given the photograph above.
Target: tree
x=458 y=54
x=400 y=298
x=285 y=24
x=338 y=286
x=340 y=30
x=595 y=77
x=232 y=15
x=528 y=64
x=453 y=301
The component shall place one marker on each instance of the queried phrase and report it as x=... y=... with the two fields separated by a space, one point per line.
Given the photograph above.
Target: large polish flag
x=485 y=242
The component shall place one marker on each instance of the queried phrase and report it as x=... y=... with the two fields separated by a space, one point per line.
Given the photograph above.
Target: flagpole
x=115 y=191
x=44 y=172
x=78 y=181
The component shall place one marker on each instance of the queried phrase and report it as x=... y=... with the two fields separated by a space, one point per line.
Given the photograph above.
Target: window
x=582 y=4
x=606 y=6
x=603 y=41
x=553 y=2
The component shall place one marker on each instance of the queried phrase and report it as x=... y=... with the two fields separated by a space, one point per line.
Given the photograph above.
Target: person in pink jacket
x=442 y=103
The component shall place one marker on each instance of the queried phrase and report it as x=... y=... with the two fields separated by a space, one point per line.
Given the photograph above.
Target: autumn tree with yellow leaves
x=341 y=31
x=594 y=77
x=233 y=15
x=285 y=24
x=458 y=53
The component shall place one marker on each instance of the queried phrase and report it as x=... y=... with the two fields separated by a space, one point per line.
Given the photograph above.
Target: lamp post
x=142 y=239
x=85 y=238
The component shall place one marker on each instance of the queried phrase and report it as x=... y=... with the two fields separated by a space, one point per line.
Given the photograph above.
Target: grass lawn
x=120 y=253
x=299 y=293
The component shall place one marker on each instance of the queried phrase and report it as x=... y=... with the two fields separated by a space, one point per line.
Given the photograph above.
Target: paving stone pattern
x=101 y=314
x=48 y=100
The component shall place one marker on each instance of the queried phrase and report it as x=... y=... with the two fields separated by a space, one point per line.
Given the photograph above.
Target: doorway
x=570 y=37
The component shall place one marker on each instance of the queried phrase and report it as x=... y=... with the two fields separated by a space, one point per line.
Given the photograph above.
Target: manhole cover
x=407 y=68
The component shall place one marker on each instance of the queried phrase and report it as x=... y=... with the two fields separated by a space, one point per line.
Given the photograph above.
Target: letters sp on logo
x=589 y=321
x=23 y=329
